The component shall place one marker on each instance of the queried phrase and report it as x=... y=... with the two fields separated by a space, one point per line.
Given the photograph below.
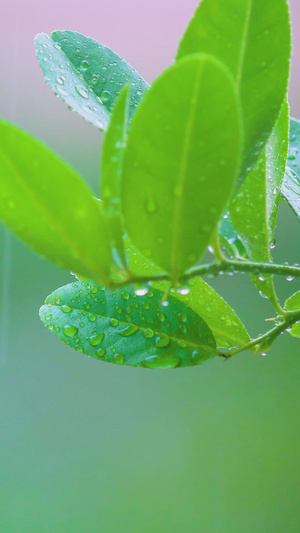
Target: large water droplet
x=70 y=331
x=148 y=333
x=119 y=358
x=66 y=309
x=114 y=322
x=128 y=331
x=101 y=352
x=162 y=361
x=162 y=341
x=92 y=318
x=125 y=295
x=141 y=292
x=95 y=340
x=82 y=91
x=84 y=65
x=105 y=96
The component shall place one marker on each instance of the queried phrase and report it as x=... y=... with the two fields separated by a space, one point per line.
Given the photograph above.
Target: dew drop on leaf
x=105 y=96
x=162 y=341
x=70 y=331
x=95 y=340
x=101 y=352
x=148 y=333
x=119 y=358
x=114 y=322
x=82 y=91
x=128 y=331
x=66 y=309
x=161 y=361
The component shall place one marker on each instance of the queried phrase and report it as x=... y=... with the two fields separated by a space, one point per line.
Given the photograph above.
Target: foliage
x=199 y=159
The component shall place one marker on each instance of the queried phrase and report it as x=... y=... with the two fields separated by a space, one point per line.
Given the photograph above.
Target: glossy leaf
x=225 y=325
x=291 y=184
x=293 y=304
x=230 y=239
x=48 y=206
x=181 y=162
x=253 y=39
x=254 y=209
x=87 y=75
x=123 y=328
x=111 y=174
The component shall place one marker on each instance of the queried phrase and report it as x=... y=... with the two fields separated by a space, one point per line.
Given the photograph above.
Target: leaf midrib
x=182 y=176
x=127 y=324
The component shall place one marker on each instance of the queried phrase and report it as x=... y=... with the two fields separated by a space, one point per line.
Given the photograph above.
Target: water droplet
x=125 y=295
x=114 y=322
x=182 y=317
x=48 y=317
x=70 y=331
x=183 y=291
x=57 y=46
x=82 y=91
x=162 y=361
x=162 y=341
x=94 y=290
x=290 y=278
x=84 y=65
x=101 y=352
x=66 y=309
x=148 y=333
x=60 y=80
x=105 y=96
x=57 y=300
x=141 y=292
x=61 y=91
x=182 y=344
x=165 y=303
x=95 y=78
x=128 y=331
x=92 y=318
x=151 y=206
x=119 y=358
x=145 y=305
x=95 y=340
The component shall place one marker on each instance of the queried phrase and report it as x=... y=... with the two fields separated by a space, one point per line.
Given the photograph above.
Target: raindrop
x=82 y=91
x=114 y=322
x=66 y=309
x=165 y=303
x=101 y=352
x=105 y=96
x=84 y=65
x=95 y=78
x=148 y=333
x=70 y=331
x=162 y=341
x=151 y=206
x=162 y=361
x=94 y=290
x=289 y=278
x=125 y=295
x=95 y=340
x=60 y=80
x=183 y=291
x=119 y=358
x=182 y=317
x=57 y=46
x=48 y=317
x=141 y=292
x=128 y=331
x=92 y=318
x=57 y=301
x=61 y=91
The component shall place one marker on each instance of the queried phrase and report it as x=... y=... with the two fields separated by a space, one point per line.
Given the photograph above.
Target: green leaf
x=230 y=239
x=293 y=304
x=48 y=206
x=87 y=75
x=123 y=328
x=113 y=146
x=253 y=39
x=181 y=161
x=254 y=209
x=291 y=184
x=225 y=325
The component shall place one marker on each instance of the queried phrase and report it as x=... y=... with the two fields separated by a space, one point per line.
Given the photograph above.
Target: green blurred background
x=87 y=447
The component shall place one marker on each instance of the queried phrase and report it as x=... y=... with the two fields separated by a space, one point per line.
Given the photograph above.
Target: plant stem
x=265 y=341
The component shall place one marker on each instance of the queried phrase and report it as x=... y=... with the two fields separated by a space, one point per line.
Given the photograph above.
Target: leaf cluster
x=198 y=160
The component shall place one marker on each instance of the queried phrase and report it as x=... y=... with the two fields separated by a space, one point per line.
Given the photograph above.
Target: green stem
x=265 y=341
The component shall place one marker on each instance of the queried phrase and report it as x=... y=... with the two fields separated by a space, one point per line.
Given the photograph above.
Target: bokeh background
x=87 y=447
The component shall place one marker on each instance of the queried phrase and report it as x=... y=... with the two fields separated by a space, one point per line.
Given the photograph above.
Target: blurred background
x=87 y=447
